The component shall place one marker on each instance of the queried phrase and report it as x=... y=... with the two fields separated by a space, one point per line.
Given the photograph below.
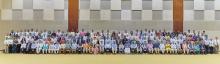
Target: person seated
x=23 y=47
x=102 y=45
x=28 y=47
x=139 y=48
x=127 y=49
x=79 y=48
x=185 y=48
x=96 y=49
x=108 y=47
x=56 y=48
x=197 y=48
x=121 y=48
x=202 y=47
x=191 y=48
x=62 y=48
x=39 y=46
x=144 y=47
x=94 y=40
x=133 y=46
x=168 y=47
x=45 y=48
x=85 y=47
x=74 y=47
x=150 y=48
x=114 y=46
x=173 y=48
x=14 y=48
x=211 y=46
x=156 y=46
x=33 y=47
x=162 y=48
x=51 y=48
x=178 y=47
x=68 y=48
x=62 y=44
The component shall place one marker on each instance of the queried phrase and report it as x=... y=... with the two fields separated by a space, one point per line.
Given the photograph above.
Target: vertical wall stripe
x=73 y=15
x=178 y=15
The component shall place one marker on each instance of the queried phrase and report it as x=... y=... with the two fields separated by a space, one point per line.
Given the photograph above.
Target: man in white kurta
x=7 y=42
x=217 y=43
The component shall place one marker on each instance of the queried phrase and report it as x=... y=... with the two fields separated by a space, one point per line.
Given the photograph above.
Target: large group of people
x=115 y=42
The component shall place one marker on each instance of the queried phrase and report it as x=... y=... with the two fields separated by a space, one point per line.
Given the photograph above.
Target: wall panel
x=17 y=4
x=136 y=4
x=157 y=4
x=115 y=4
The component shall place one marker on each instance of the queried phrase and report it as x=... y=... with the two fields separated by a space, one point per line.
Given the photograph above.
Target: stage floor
x=107 y=59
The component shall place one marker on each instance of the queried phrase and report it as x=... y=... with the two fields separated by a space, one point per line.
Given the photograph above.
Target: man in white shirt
x=189 y=32
x=174 y=48
x=162 y=48
x=23 y=47
x=102 y=45
x=39 y=46
x=8 y=41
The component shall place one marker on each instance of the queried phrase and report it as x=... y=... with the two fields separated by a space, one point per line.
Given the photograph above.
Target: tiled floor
x=108 y=59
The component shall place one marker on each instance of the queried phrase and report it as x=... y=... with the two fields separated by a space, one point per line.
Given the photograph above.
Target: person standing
x=217 y=42
x=206 y=41
x=8 y=41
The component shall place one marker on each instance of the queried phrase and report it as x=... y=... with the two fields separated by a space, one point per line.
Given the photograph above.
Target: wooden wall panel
x=178 y=15
x=73 y=15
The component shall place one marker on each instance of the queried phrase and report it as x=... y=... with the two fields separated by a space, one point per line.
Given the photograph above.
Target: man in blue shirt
x=114 y=46
x=108 y=47
x=33 y=48
x=73 y=47
x=127 y=48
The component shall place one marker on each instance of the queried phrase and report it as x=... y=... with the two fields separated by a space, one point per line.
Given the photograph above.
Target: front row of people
x=152 y=48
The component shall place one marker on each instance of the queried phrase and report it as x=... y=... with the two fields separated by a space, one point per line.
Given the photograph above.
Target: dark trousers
x=145 y=50
x=108 y=50
x=18 y=48
x=14 y=48
x=79 y=50
x=133 y=50
x=10 y=48
x=23 y=50
x=121 y=50
x=206 y=49
x=28 y=50
x=211 y=50
x=33 y=51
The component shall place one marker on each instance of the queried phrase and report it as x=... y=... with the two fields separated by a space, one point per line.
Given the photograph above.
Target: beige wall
x=125 y=25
